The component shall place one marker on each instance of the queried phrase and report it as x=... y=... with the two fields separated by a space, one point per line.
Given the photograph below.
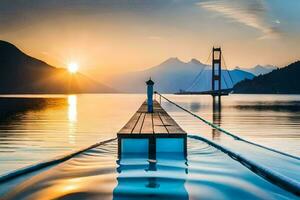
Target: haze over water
x=63 y=124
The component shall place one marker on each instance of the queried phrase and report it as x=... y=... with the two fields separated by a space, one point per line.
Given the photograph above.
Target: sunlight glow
x=73 y=67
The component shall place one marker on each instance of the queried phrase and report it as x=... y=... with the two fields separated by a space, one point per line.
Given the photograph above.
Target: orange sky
x=107 y=38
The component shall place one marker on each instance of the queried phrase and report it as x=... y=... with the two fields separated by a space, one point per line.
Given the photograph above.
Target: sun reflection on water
x=72 y=109
x=72 y=117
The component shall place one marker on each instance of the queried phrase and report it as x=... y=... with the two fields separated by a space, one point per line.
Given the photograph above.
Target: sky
x=115 y=36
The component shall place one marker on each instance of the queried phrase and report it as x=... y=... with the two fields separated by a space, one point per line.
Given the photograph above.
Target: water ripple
x=207 y=173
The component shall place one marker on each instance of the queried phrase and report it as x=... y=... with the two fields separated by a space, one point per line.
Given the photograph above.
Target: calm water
x=95 y=174
x=60 y=124
x=48 y=126
x=65 y=123
x=270 y=120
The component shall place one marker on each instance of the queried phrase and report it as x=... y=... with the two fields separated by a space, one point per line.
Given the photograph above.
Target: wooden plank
x=127 y=129
x=159 y=127
x=158 y=122
x=166 y=119
x=138 y=127
x=143 y=108
x=157 y=107
x=171 y=125
x=148 y=124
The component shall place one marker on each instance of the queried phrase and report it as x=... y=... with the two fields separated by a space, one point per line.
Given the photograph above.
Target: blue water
x=206 y=173
x=269 y=112
x=63 y=124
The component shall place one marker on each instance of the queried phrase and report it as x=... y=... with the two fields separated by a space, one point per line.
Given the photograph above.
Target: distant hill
x=173 y=75
x=280 y=81
x=20 y=73
x=259 y=69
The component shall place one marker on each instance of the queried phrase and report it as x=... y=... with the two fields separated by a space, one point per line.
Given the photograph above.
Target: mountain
x=20 y=73
x=259 y=69
x=280 y=81
x=173 y=75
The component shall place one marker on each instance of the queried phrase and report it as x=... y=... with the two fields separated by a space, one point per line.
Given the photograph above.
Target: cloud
x=252 y=13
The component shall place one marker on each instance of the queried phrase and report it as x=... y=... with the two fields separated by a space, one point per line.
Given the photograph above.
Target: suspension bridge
x=216 y=77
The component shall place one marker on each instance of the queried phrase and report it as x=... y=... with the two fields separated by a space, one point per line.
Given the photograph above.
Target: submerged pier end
x=151 y=131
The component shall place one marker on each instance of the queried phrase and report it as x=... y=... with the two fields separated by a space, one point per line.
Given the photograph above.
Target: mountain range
x=20 y=73
x=174 y=75
x=280 y=81
x=259 y=69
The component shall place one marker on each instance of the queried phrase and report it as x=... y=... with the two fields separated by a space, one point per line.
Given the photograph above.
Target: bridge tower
x=216 y=72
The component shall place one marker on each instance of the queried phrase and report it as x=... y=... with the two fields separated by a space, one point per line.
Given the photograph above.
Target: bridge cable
x=223 y=130
x=227 y=70
x=222 y=75
x=199 y=74
x=225 y=81
x=196 y=79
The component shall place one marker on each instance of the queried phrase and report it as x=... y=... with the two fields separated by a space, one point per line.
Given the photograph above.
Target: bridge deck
x=223 y=92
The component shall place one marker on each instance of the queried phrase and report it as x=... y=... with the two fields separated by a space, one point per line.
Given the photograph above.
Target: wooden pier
x=152 y=132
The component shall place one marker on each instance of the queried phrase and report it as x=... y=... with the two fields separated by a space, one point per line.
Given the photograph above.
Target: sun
x=73 y=67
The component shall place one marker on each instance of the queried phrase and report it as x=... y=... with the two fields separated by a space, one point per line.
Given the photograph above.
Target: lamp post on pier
x=150 y=84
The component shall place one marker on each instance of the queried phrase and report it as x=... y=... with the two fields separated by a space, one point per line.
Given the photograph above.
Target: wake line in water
x=226 y=132
x=274 y=177
x=42 y=165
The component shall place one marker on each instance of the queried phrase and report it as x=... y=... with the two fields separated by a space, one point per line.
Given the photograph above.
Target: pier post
x=150 y=84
